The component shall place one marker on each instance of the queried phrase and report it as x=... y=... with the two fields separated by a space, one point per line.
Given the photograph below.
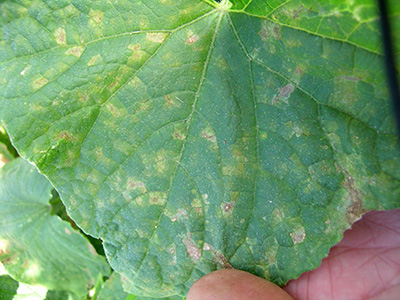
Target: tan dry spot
x=155 y=37
x=298 y=236
x=60 y=36
x=355 y=210
x=284 y=93
x=192 y=249
x=191 y=38
x=219 y=258
x=75 y=51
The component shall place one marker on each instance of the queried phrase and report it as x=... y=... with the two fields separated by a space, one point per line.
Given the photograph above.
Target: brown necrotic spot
x=284 y=93
x=155 y=37
x=192 y=249
x=298 y=236
x=60 y=36
x=191 y=38
x=354 y=210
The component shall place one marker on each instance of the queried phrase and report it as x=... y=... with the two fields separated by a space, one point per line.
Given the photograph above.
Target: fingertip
x=230 y=284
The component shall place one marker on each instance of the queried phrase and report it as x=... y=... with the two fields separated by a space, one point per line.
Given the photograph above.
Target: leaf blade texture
x=198 y=135
x=36 y=247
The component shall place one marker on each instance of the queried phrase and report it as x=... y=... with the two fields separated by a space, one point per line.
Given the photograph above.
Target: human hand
x=364 y=265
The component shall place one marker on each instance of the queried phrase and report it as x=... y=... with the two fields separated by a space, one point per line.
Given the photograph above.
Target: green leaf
x=7 y=151
x=37 y=248
x=112 y=289
x=11 y=289
x=195 y=135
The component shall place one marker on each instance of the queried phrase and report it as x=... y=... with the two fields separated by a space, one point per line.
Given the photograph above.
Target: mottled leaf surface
x=112 y=289
x=36 y=247
x=193 y=135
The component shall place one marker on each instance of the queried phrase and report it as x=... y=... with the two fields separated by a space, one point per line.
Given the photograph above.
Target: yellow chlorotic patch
x=94 y=60
x=155 y=37
x=96 y=15
x=134 y=47
x=157 y=198
x=298 y=236
x=75 y=51
x=137 y=54
x=60 y=36
x=179 y=135
x=209 y=134
x=39 y=82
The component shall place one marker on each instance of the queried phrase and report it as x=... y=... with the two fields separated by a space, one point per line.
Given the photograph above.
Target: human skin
x=364 y=265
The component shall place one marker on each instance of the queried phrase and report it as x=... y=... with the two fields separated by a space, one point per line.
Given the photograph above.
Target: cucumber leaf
x=197 y=135
x=36 y=247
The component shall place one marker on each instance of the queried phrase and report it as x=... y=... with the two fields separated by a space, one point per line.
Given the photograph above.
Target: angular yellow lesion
x=60 y=36
x=133 y=184
x=298 y=235
x=134 y=47
x=157 y=198
x=75 y=51
x=179 y=135
x=209 y=134
x=137 y=53
x=94 y=60
x=155 y=37
x=39 y=82
x=171 y=101
x=96 y=15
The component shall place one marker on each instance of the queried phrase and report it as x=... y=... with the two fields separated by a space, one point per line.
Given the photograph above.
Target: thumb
x=230 y=284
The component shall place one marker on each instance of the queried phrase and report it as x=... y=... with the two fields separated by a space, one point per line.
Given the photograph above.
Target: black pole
x=390 y=61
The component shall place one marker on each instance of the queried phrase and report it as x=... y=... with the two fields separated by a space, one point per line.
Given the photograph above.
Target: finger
x=232 y=284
